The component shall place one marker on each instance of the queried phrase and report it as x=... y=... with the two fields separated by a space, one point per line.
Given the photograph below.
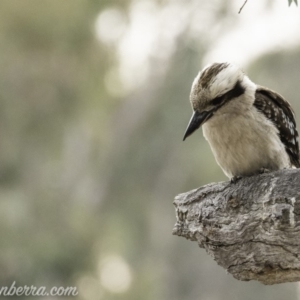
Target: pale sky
x=270 y=30
x=151 y=31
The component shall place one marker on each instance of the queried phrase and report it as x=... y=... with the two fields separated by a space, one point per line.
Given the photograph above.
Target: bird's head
x=213 y=88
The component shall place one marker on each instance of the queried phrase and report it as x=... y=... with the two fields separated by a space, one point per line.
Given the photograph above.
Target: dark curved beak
x=196 y=121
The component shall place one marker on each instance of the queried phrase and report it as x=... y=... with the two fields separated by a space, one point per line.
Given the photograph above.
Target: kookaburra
x=249 y=127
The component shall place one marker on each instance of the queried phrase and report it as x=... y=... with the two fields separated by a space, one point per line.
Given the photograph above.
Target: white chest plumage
x=244 y=143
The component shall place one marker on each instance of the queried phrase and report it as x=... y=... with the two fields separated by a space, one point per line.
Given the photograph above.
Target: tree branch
x=243 y=6
x=250 y=228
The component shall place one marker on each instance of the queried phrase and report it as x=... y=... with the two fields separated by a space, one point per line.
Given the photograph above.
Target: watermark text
x=32 y=290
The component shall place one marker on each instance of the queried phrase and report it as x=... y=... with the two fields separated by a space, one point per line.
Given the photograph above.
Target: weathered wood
x=251 y=227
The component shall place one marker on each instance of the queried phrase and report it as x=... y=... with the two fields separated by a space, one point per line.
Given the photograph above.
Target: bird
x=251 y=129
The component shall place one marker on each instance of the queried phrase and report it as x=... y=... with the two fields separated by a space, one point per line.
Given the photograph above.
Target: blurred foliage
x=295 y=1
x=88 y=170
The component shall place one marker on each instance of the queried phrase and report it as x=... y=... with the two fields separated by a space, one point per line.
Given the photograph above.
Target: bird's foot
x=235 y=179
x=264 y=170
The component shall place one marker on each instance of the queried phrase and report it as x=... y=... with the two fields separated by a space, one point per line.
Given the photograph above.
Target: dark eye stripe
x=217 y=100
x=235 y=92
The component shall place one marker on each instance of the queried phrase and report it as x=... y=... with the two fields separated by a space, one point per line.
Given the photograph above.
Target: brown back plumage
x=280 y=112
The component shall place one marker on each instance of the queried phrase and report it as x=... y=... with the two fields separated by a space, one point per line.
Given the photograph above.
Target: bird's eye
x=217 y=100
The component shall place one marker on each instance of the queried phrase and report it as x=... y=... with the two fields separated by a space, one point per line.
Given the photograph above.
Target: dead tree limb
x=251 y=228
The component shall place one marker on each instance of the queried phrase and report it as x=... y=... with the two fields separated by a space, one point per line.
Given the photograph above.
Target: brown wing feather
x=280 y=112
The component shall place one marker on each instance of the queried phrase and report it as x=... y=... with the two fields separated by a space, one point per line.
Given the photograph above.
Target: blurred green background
x=93 y=107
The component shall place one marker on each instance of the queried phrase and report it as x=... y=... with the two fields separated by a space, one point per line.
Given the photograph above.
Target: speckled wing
x=280 y=112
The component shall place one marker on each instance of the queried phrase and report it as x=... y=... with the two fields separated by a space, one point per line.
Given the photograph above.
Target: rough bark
x=251 y=227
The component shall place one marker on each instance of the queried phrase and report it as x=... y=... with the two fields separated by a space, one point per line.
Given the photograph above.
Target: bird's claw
x=264 y=170
x=235 y=179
